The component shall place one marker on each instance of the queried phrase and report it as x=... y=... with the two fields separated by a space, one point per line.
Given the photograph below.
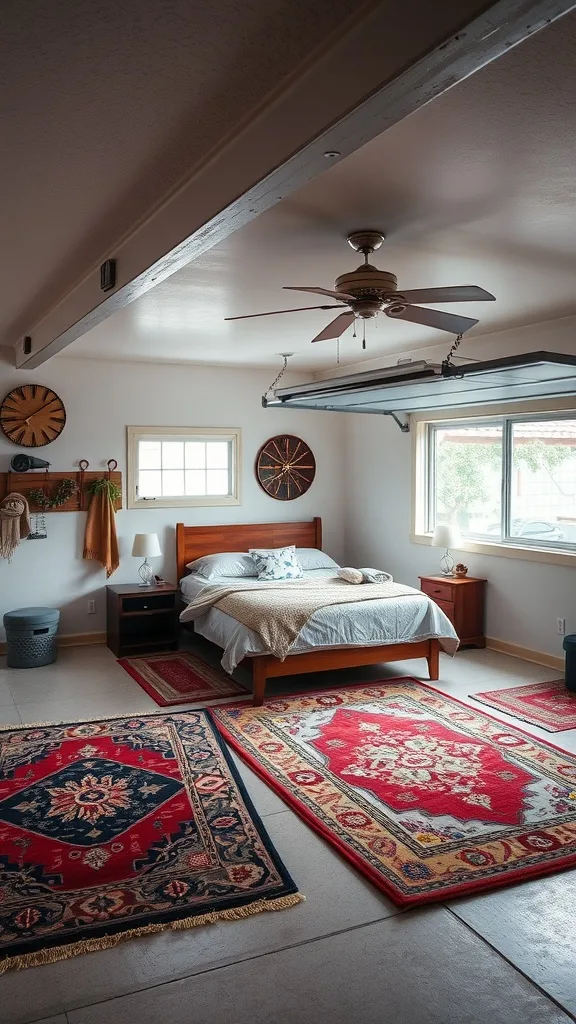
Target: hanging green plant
x=60 y=496
x=105 y=486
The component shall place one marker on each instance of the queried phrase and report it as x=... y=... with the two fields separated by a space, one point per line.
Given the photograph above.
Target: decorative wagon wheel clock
x=285 y=467
x=32 y=415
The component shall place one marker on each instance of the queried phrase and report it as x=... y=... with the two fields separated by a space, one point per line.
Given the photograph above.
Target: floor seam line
x=219 y=967
x=511 y=963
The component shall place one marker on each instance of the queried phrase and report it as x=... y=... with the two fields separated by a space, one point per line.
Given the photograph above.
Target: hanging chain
x=447 y=363
x=280 y=375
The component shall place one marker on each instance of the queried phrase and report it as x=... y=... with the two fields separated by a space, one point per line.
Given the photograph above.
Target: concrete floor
x=347 y=954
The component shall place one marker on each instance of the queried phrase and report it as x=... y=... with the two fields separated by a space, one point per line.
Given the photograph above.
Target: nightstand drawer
x=447 y=607
x=438 y=591
x=148 y=602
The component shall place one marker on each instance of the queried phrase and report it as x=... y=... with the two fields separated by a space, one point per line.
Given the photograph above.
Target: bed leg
x=258 y=682
x=433 y=659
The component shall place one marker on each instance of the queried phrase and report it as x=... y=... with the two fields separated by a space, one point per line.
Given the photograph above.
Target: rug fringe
x=14 y=727
x=57 y=953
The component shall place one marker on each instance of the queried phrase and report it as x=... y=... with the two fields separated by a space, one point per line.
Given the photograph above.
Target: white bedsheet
x=357 y=624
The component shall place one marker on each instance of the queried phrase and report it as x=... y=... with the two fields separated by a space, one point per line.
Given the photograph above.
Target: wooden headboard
x=194 y=541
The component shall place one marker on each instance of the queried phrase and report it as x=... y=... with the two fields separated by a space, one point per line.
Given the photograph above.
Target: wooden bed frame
x=194 y=541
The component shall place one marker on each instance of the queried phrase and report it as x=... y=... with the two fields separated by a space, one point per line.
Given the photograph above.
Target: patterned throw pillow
x=277 y=563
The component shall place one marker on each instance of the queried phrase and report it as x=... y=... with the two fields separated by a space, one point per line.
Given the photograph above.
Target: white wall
x=101 y=398
x=523 y=598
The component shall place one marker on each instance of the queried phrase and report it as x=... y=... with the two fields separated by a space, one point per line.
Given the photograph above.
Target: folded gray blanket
x=365 y=575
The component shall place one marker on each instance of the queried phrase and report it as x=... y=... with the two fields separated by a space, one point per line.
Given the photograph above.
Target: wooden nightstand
x=462 y=600
x=142 y=620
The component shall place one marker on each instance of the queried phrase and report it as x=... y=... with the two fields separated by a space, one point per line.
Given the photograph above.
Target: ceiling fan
x=367 y=292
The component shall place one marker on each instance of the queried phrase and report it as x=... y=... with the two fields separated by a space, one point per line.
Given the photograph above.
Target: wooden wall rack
x=22 y=483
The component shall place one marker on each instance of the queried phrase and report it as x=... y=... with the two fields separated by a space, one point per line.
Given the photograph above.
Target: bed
x=193 y=542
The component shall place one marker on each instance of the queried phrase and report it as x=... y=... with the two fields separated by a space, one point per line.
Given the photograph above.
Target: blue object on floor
x=31 y=636
x=569 y=646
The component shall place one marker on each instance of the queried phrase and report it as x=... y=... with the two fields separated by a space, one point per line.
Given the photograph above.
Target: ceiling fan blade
x=336 y=328
x=344 y=296
x=431 y=318
x=275 y=312
x=459 y=293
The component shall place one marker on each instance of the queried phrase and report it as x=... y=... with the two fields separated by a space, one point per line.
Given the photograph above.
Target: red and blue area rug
x=125 y=827
x=428 y=797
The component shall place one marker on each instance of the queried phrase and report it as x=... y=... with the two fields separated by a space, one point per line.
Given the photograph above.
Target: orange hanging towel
x=100 y=541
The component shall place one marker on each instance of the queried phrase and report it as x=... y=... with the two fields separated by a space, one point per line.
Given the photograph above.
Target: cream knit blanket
x=278 y=611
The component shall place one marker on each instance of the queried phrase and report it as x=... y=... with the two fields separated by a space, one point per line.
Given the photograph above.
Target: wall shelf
x=23 y=483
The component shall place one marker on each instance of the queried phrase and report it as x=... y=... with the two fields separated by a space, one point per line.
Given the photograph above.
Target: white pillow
x=277 y=563
x=224 y=563
x=313 y=558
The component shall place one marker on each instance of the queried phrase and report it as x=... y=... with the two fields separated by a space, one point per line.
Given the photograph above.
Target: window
x=171 y=466
x=508 y=480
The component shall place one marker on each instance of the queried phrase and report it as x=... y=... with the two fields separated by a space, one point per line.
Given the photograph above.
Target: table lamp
x=146 y=545
x=446 y=535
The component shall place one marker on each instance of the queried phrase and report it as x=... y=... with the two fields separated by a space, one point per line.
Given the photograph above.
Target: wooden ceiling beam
x=389 y=60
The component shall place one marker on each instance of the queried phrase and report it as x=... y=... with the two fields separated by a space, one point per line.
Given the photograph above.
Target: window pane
x=149 y=454
x=468 y=478
x=195 y=481
x=217 y=481
x=173 y=483
x=195 y=454
x=543 y=491
x=172 y=455
x=217 y=455
x=149 y=483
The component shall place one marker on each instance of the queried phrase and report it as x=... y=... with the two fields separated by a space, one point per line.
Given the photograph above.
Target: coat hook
x=83 y=466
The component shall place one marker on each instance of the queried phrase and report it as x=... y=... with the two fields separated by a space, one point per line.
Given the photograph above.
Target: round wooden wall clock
x=32 y=415
x=285 y=467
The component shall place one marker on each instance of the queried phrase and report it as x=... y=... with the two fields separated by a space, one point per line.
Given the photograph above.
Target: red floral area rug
x=548 y=705
x=125 y=827
x=429 y=798
x=180 y=678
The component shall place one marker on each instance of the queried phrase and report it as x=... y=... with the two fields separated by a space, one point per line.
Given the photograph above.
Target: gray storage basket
x=31 y=636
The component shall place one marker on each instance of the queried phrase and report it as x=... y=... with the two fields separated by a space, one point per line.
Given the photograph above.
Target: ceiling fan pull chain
x=354 y=333
x=364 y=334
x=337 y=351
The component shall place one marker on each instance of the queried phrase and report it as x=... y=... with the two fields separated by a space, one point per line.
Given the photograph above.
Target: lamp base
x=146 y=574
x=447 y=564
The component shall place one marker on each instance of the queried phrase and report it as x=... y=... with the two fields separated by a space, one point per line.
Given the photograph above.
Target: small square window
x=175 y=467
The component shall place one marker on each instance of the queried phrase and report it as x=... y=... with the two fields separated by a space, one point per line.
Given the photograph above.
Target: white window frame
x=136 y=434
x=560 y=553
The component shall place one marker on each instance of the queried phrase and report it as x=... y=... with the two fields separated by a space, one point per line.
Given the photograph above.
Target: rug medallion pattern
x=427 y=796
x=124 y=824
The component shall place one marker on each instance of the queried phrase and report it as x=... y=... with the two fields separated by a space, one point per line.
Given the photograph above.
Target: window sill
x=506 y=550
x=183 y=502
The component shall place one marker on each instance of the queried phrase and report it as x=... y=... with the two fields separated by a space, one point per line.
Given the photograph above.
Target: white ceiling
x=475 y=188
x=105 y=106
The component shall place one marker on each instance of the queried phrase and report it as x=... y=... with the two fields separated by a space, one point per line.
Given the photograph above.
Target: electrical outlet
x=561 y=627
x=92 y=608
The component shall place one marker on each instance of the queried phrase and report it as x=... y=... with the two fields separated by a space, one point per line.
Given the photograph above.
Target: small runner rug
x=125 y=827
x=548 y=705
x=180 y=678
x=430 y=798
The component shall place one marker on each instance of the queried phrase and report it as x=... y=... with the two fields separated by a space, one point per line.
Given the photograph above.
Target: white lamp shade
x=446 y=535
x=146 y=545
